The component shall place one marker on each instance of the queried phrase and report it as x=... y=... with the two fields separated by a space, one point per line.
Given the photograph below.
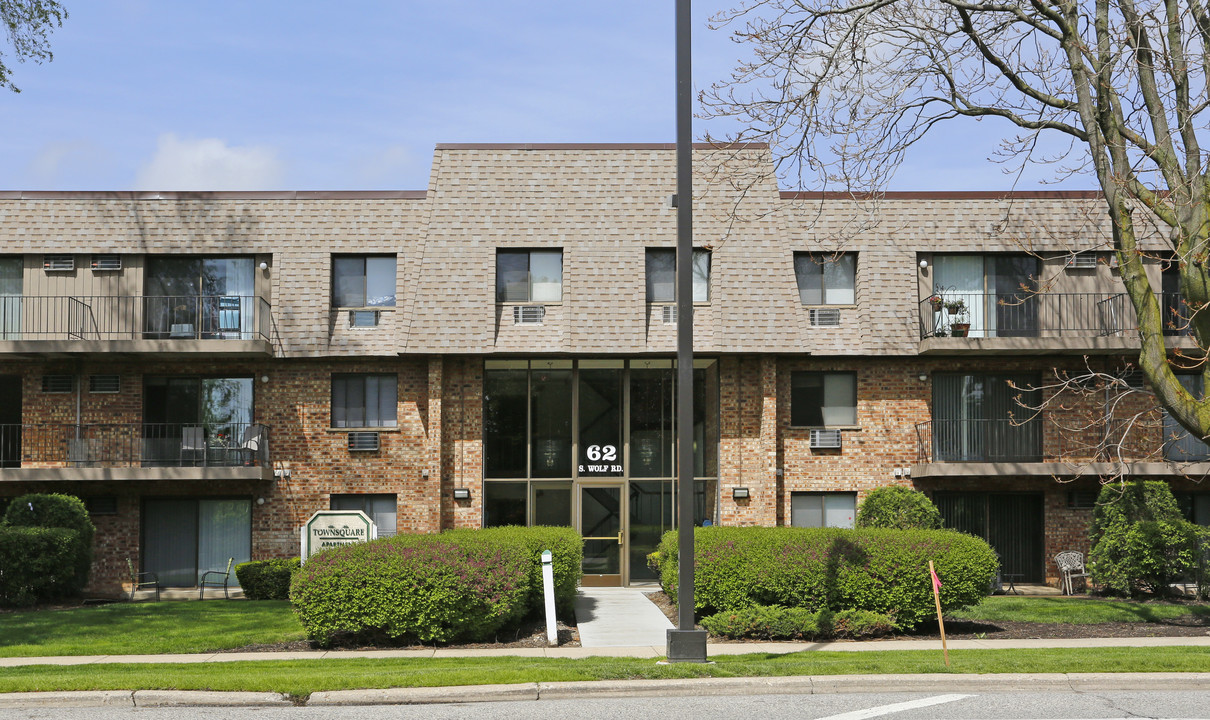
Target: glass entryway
x=600 y=514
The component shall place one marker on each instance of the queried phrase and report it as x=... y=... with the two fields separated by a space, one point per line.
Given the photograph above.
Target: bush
x=899 y=508
x=57 y=511
x=883 y=571
x=37 y=565
x=774 y=622
x=1140 y=541
x=465 y=584
x=266 y=579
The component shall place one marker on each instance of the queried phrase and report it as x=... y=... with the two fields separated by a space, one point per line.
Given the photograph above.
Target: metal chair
x=1071 y=566
x=220 y=578
x=193 y=443
x=140 y=580
x=250 y=443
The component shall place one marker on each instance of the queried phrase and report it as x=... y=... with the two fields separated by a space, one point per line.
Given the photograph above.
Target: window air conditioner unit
x=528 y=314
x=58 y=263
x=669 y=314
x=1082 y=261
x=825 y=317
x=363 y=441
x=364 y=318
x=106 y=262
x=825 y=439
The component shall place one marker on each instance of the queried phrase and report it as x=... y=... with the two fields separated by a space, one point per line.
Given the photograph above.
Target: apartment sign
x=600 y=460
x=334 y=528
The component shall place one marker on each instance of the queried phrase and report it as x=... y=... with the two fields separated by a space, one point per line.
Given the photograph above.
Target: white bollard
x=548 y=590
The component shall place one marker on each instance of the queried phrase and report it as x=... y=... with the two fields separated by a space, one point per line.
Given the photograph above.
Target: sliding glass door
x=200 y=298
x=185 y=537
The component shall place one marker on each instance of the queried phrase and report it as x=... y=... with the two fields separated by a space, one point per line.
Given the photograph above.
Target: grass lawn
x=146 y=628
x=302 y=677
x=1081 y=611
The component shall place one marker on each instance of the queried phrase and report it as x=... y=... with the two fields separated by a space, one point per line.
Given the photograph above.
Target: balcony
x=219 y=325
x=135 y=451
x=998 y=323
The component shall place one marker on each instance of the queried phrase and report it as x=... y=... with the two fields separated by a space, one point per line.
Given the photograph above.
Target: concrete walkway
x=619 y=617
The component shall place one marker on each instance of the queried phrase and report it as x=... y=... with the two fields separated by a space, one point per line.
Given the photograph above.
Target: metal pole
x=684 y=644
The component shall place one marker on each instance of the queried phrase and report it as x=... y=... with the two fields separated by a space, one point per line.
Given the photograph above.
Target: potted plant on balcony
x=936 y=301
x=960 y=325
x=955 y=306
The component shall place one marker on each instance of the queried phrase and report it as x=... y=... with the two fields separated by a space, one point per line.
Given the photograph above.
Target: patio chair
x=193 y=444
x=141 y=580
x=250 y=443
x=1071 y=566
x=215 y=578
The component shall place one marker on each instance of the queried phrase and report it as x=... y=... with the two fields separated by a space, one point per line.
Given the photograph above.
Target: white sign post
x=333 y=528
x=548 y=590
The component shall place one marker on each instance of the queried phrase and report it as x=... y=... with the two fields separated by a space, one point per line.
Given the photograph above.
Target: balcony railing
x=134 y=317
x=978 y=441
x=131 y=445
x=1044 y=314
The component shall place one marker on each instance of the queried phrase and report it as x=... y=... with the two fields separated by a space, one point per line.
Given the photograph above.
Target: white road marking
x=897 y=707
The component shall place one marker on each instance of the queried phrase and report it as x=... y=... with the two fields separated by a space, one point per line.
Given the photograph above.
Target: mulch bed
x=1184 y=626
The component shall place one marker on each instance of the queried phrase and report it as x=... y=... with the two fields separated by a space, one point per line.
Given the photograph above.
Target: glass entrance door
x=601 y=512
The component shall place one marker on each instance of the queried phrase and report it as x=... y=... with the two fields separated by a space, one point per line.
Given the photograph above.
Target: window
x=192 y=420
x=380 y=509
x=185 y=537
x=1179 y=444
x=529 y=275
x=823 y=399
x=994 y=291
x=511 y=503
x=661 y=275
x=982 y=418
x=363 y=281
x=825 y=278
x=829 y=509
x=200 y=298
x=364 y=401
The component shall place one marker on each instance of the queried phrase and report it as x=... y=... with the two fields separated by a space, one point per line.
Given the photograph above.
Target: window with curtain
x=529 y=275
x=364 y=401
x=200 y=297
x=363 y=281
x=185 y=537
x=826 y=278
x=823 y=399
x=661 y=275
x=996 y=290
x=380 y=508
x=977 y=418
x=1179 y=444
x=823 y=509
x=11 y=283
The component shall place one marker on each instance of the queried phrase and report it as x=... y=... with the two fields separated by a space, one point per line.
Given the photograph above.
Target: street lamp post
x=684 y=643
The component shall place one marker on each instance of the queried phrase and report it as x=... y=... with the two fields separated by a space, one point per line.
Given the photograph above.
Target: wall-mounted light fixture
x=739 y=493
x=264 y=266
x=924 y=264
x=462 y=493
x=264 y=378
x=924 y=377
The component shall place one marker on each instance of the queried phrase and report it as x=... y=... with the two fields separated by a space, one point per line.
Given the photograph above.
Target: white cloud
x=385 y=168
x=209 y=164
x=63 y=160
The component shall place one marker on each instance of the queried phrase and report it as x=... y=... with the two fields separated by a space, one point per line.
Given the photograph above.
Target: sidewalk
x=637 y=651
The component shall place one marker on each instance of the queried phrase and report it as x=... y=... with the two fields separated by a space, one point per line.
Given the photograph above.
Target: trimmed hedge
x=898 y=507
x=266 y=579
x=37 y=564
x=57 y=511
x=465 y=584
x=773 y=622
x=883 y=571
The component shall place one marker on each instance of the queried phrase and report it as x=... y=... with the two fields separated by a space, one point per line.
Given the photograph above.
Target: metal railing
x=1174 y=314
x=134 y=317
x=123 y=445
x=978 y=441
x=1024 y=314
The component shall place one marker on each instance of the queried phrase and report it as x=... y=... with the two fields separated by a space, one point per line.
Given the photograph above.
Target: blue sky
x=308 y=95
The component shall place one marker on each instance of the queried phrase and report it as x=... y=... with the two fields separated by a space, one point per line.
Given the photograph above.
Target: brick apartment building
x=207 y=370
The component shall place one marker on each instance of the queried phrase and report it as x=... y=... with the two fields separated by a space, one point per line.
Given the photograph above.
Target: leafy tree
x=28 y=24
x=898 y=507
x=1140 y=541
x=842 y=89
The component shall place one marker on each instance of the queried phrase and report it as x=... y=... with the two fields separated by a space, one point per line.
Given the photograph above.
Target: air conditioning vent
x=1082 y=261
x=58 y=263
x=364 y=318
x=101 y=505
x=825 y=439
x=825 y=317
x=106 y=262
x=363 y=441
x=1082 y=499
x=58 y=383
x=104 y=383
x=528 y=314
x=669 y=314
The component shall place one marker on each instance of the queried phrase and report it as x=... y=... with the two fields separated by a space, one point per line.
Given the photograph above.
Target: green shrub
x=899 y=508
x=774 y=622
x=465 y=584
x=37 y=564
x=567 y=559
x=1140 y=541
x=57 y=511
x=266 y=579
x=883 y=571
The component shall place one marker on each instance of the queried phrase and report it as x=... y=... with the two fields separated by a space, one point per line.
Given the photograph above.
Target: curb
x=792 y=685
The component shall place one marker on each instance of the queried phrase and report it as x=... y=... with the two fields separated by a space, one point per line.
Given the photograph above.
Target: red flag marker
x=940 y=622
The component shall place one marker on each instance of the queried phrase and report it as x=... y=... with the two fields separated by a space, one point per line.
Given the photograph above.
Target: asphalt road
x=1051 y=705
